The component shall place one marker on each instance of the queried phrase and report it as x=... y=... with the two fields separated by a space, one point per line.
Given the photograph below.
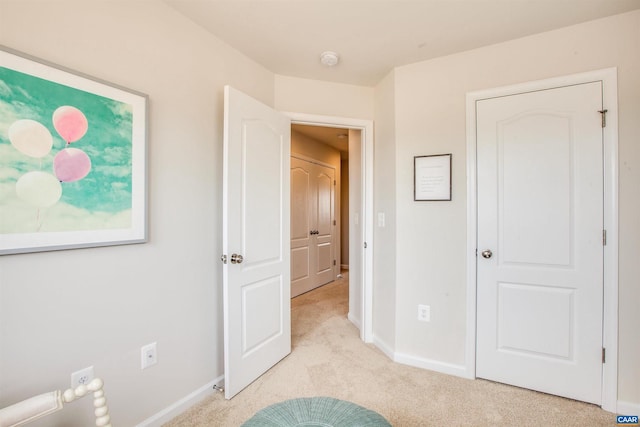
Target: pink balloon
x=70 y=123
x=71 y=164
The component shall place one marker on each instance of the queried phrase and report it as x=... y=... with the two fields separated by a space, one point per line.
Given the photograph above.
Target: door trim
x=366 y=128
x=608 y=77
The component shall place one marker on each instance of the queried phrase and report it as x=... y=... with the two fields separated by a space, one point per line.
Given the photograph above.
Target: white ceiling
x=335 y=137
x=374 y=36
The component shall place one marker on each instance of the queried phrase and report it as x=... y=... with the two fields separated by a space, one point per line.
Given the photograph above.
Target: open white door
x=255 y=239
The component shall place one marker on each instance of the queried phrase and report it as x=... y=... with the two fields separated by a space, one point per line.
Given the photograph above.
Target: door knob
x=236 y=259
x=485 y=254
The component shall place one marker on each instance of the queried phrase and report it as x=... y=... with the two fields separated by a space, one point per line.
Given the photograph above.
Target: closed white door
x=255 y=229
x=312 y=225
x=540 y=244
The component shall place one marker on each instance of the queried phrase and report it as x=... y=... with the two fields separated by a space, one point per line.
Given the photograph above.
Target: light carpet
x=329 y=359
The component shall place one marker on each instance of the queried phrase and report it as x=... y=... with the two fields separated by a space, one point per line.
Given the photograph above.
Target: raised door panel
x=324 y=217
x=300 y=226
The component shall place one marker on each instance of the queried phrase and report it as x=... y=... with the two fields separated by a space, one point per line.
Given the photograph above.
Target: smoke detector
x=329 y=59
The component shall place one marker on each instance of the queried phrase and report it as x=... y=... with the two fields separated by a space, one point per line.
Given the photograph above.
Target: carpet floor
x=329 y=359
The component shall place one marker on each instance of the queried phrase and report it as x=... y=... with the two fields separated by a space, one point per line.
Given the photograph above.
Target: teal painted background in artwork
x=106 y=191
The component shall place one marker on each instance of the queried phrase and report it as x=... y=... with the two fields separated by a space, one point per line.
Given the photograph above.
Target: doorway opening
x=356 y=147
x=319 y=206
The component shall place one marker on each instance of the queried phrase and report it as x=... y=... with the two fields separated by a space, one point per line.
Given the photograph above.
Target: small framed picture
x=432 y=177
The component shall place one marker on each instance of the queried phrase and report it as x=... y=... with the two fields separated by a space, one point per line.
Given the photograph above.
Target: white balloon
x=31 y=138
x=39 y=189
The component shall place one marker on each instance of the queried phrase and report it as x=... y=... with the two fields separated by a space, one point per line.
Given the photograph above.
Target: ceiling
x=374 y=36
x=335 y=137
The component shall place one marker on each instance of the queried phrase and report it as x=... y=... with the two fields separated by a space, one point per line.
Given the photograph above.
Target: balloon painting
x=72 y=159
x=41 y=189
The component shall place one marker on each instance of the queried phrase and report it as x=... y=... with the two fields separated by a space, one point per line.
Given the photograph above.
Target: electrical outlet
x=82 y=377
x=424 y=313
x=149 y=355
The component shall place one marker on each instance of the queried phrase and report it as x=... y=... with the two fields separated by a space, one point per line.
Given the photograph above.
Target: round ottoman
x=316 y=411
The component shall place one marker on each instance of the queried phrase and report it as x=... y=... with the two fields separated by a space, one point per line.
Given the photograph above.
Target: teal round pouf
x=314 y=412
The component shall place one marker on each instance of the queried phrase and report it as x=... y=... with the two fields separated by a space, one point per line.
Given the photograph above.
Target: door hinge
x=334 y=182
x=365 y=245
x=334 y=222
x=223 y=258
x=604 y=237
x=334 y=262
x=604 y=353
x=603 y=114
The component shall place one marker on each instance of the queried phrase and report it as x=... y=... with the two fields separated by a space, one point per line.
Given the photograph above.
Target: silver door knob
x=236 y=259
x=485 y=254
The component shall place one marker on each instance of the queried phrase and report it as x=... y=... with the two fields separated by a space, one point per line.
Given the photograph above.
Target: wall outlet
x=424 y=313
x=149 y=355
x=82 y=377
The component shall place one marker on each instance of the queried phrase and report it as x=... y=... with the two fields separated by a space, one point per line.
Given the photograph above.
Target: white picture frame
x=432 y=177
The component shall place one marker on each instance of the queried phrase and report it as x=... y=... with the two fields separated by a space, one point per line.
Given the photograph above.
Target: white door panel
x=256 y=211
x=324 y=215
x=535 y=163
x=300 y=226
x=540 y=212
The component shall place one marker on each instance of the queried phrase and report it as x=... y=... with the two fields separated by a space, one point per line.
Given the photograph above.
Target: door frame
x=608 y=77
x=366 y=204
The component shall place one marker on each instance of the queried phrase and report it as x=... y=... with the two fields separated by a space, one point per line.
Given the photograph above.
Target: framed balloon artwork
x=72 y=159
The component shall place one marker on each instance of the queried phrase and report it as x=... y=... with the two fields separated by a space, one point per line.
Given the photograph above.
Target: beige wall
x=385 y=241
x=344 y=213
x=323 y=98
x=357 y=191
x=65 y=310
x=431 y=237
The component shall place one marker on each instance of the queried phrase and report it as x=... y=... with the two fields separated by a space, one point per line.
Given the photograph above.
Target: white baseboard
x=628 y=408
x=417 y=362
x=432 y=365
x=355 y=321
x=181 y=405
x=383 y=347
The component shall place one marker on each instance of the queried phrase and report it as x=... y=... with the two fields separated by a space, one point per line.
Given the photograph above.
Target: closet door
x=312 y=225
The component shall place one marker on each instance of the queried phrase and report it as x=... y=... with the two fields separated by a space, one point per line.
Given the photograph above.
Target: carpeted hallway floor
x=329 y=359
